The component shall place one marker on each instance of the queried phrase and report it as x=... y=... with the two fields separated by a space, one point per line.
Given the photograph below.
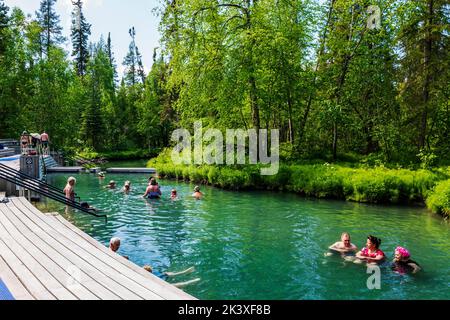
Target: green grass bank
x=379 y=185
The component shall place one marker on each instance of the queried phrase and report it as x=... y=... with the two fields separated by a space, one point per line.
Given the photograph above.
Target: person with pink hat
x=403 y=263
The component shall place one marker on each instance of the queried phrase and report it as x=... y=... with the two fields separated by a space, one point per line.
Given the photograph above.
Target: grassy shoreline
x=377 y=185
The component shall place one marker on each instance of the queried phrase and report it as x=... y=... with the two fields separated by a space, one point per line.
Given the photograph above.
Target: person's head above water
x=197 y=189
x=114 y=244
x=373 y=242
x=71 y=181
x=401 y=254
x=148 y=268
x=112 y=183
x=127 y=184
x=153 y=182
x=174 y=192
x=345 y=238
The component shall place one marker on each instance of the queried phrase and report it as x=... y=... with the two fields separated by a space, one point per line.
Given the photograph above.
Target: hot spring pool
x=261 y=245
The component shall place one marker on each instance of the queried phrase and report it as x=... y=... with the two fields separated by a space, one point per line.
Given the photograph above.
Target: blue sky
x=115 y=16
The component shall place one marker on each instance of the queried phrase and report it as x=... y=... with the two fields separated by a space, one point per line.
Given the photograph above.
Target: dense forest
x=335 y=87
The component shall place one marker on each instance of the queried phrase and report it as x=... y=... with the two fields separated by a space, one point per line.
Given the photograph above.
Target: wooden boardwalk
x=44 y=257
x=131 y=170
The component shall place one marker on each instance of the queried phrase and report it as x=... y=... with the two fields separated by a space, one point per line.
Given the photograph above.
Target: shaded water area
x=261 y=245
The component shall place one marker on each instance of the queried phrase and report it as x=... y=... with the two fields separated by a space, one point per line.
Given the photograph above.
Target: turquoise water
x=260 y=245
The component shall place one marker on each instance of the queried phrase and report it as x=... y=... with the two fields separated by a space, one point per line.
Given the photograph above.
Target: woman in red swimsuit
x=371 y=253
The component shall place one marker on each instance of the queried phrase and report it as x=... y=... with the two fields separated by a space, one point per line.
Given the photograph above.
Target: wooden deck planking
x=50 y=282
x=36 y=251
x=122 y=286
x=120 y=264
x=33 y=285
x=13 y=283
x=137 y=290
x=91 y=278
x=34 y=245
x=141 y=275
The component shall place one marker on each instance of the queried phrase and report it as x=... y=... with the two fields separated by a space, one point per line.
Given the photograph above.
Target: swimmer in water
x=197 y=193
x=345 y=247
x=111 y=185
x=88 y=207
x=173 y=194
x=371 y=253
x=127 y=187
x=167 y=275
x=153 y=191
x=403 y=264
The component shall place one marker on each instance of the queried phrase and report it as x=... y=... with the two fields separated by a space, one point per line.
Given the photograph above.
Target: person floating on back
x=345 y=247
x=153 y=191
x=402 y=263
x=371 y=253
x=167 y=275
x=197 y=193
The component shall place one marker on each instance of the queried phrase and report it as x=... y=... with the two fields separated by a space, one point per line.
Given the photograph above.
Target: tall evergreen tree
x=81 y=31
x=4 y=19
x=93 y=125
x=112 y=60
x=134 y=72
x=49 y=21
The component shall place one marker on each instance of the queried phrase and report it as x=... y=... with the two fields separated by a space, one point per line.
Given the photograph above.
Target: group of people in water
x=372 y=254
x=153 y=191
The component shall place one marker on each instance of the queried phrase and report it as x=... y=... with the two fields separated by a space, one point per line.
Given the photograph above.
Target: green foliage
x=439 y=200
x=336 y=90
x=363 y=184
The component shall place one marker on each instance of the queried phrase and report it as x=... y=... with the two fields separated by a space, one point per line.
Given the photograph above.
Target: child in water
x=173 y=194
x=402 y=262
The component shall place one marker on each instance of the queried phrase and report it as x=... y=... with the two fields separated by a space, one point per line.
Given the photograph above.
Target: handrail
x=24 y=175
x=19 y=181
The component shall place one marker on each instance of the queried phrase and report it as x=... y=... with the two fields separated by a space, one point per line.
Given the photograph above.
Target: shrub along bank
x=360 y=184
